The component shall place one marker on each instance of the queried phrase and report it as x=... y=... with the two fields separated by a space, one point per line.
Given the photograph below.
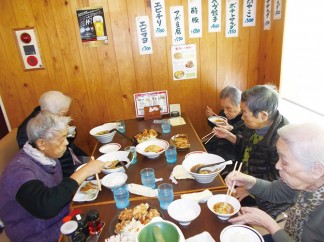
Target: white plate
x=109 y=148
x=85 y=197
x=240 y=233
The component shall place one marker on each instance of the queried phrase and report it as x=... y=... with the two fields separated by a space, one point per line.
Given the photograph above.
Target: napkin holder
x=152 y=112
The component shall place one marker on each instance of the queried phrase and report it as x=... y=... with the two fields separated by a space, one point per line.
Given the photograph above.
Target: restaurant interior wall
x=102 y=80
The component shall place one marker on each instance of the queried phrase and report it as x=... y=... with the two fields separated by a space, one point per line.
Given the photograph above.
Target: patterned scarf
x=298 y=214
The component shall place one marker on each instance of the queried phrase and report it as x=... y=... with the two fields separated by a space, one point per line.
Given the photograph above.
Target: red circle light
x=25 y=37
x=32 y=60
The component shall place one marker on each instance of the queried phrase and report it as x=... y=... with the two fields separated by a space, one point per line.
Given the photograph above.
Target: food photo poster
x=92 y=26
x=184 y=61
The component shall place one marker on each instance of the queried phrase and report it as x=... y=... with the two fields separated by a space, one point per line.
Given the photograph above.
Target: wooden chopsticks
x=207 y=135
x=230 y=191
x=92 y=158
x=209 y=138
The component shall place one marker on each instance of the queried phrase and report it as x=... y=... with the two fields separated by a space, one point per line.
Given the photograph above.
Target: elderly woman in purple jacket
x=34 y=195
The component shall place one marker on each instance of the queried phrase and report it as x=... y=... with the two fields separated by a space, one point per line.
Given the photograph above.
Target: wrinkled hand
x=255 y=216
x=94 y=166
x=209 y=112
x=241 y=193
x=221 y=132
x=242 y=180
x=225 y=125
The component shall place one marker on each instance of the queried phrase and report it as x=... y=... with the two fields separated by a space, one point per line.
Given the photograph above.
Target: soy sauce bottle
x=94 y=222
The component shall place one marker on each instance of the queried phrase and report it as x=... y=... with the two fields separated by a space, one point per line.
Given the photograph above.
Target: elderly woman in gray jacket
x=301 y=168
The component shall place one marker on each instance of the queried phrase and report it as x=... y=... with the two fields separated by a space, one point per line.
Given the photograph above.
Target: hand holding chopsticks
x=230 y=191
x=92 y=158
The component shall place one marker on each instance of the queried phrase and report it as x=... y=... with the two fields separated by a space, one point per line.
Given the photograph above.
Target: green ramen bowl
x=159 y=231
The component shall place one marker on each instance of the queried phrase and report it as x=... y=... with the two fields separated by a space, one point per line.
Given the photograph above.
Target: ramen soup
x=102 y=132
x=223 y=208
x=202 y=171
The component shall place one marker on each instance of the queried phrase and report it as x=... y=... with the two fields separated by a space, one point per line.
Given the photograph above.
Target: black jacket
x=66 y=160
x=262 y=160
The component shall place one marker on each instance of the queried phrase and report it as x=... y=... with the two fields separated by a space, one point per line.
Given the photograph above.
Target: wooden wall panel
x=102 y=80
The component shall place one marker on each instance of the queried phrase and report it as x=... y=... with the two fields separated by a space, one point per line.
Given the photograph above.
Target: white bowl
x=104 y=138
x=109 y=148
x=89 y=177
x=240 y=233
x=203 y=158
x=217 y=120
x=115 y=155
x=114 y=180
x=222 y=198
x=159 y=142
x=184 y=211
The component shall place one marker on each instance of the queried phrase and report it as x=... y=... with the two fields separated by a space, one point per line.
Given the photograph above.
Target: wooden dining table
x=105 y=203
x=206 y=221
x=161 y=168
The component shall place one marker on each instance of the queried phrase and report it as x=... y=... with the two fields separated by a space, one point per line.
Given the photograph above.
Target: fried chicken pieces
x=142 y=213
x=146 y=135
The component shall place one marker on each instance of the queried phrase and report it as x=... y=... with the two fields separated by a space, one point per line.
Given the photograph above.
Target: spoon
x=229 y=162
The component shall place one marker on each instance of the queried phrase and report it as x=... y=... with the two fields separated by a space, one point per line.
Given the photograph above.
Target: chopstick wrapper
x=142 y=190
x=177 y=121
x=200 y=197
x=204 y=236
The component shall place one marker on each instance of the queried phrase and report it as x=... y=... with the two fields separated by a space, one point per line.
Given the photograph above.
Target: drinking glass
x=171 y=154
x=133 y=154
x=121 y=196
x=165 y=195
x=166 y=126
x=121 y=126
x=148 y=177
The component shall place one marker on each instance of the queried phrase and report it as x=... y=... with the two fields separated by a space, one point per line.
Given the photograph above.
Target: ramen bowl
x=184 y=211
x=216 y=206
x=192 y=161
x=140 y=148
x=121 y=156
x=217 y=120
x=102 y=132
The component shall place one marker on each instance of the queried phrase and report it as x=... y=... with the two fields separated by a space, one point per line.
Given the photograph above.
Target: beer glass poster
x=92 y=26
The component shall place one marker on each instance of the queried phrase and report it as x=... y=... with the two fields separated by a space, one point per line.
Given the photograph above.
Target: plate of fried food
x=129 y=221
x=88 y=191
x=180 y=141
x=147 y=134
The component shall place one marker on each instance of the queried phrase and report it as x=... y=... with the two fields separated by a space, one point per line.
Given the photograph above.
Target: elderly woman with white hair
x=34 y=195
x=301 y=168
x=55 y=102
